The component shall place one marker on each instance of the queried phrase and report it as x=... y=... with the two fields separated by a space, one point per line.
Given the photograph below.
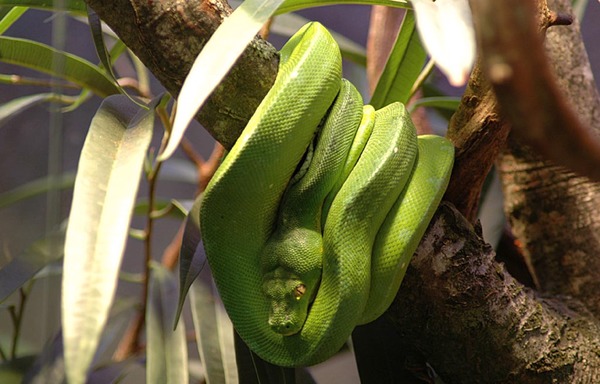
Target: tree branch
x=478 y=134
x=511 y=41
x=167 y=36
x=476 y=324
x=553 y=212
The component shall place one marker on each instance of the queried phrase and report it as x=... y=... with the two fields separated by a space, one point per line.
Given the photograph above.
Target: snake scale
x=311 y=220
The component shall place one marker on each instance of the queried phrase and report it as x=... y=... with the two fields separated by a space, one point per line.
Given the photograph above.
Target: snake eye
x=299 y=291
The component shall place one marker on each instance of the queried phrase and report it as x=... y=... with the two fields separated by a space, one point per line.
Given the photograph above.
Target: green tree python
x=311 y=220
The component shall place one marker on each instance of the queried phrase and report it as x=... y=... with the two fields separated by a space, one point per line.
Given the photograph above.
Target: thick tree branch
x=478 y=134
x=476 y=324
x=553 y=212
x=511 y=41
x=167 y=36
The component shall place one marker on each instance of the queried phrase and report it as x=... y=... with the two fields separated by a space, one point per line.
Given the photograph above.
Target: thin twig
x=557 y=18
x=170 y=255
x=265 y=31
x=17 y=319
x=205 y=169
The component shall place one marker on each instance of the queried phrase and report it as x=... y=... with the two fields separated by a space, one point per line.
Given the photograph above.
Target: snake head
x=289 y=299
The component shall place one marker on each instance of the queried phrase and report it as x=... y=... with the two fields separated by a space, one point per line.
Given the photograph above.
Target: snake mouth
x=285 y=328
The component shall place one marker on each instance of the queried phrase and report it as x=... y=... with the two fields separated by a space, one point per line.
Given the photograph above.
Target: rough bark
x=477 y=324
x=478 y=134
x=520 y=72
x=167 y=36
x=457 y=306
x=553 y=212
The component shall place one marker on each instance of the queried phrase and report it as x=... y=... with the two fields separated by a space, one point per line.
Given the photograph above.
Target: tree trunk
x=476 y=324
x=554 y=213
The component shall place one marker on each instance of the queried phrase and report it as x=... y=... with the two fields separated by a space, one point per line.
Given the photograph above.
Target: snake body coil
x=311 y=220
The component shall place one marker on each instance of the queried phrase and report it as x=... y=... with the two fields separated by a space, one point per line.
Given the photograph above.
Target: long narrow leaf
x=40 y=57
x=192 y=258
x=21 y=104
x=444 y=102
x=207 y=329
x=294 y=5
x=101 y=51
x=24 y=267
x=167 y=349
x=11 y=16
x=403 y=66
x=254 y=370
x=287 y=24
x=446 y=30
x=74 y=6
x=105 y=189
x=579 y=7
x=12 y=372
x=214 y=62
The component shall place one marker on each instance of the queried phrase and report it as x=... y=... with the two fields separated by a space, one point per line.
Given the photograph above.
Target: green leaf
x=49 y=364
x=74 y=6
x=35 y=188
x=579 y=8
x=21 y=104
x=254 y=370
x=115 y=52
x=214 y=333
x=167 y=348
x=11 y=16
x=101 y=51
x=162 y=208
x=4 y=11
x=107 y=181
x=42 y=57
x=12 y=372
x=288 y=24
x=24 y=267
x=180 y=171
x=403 y=66
x=214 y=62
x=294 y=5
x=192 y=258
x=444 y=102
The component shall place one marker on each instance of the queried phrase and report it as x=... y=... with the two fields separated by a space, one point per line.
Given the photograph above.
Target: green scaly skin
x=311 y=220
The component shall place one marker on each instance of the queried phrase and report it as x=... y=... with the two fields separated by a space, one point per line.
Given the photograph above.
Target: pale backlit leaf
x=105 y=189
x=446 y=31
x=167 y=349
x=213 y=63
